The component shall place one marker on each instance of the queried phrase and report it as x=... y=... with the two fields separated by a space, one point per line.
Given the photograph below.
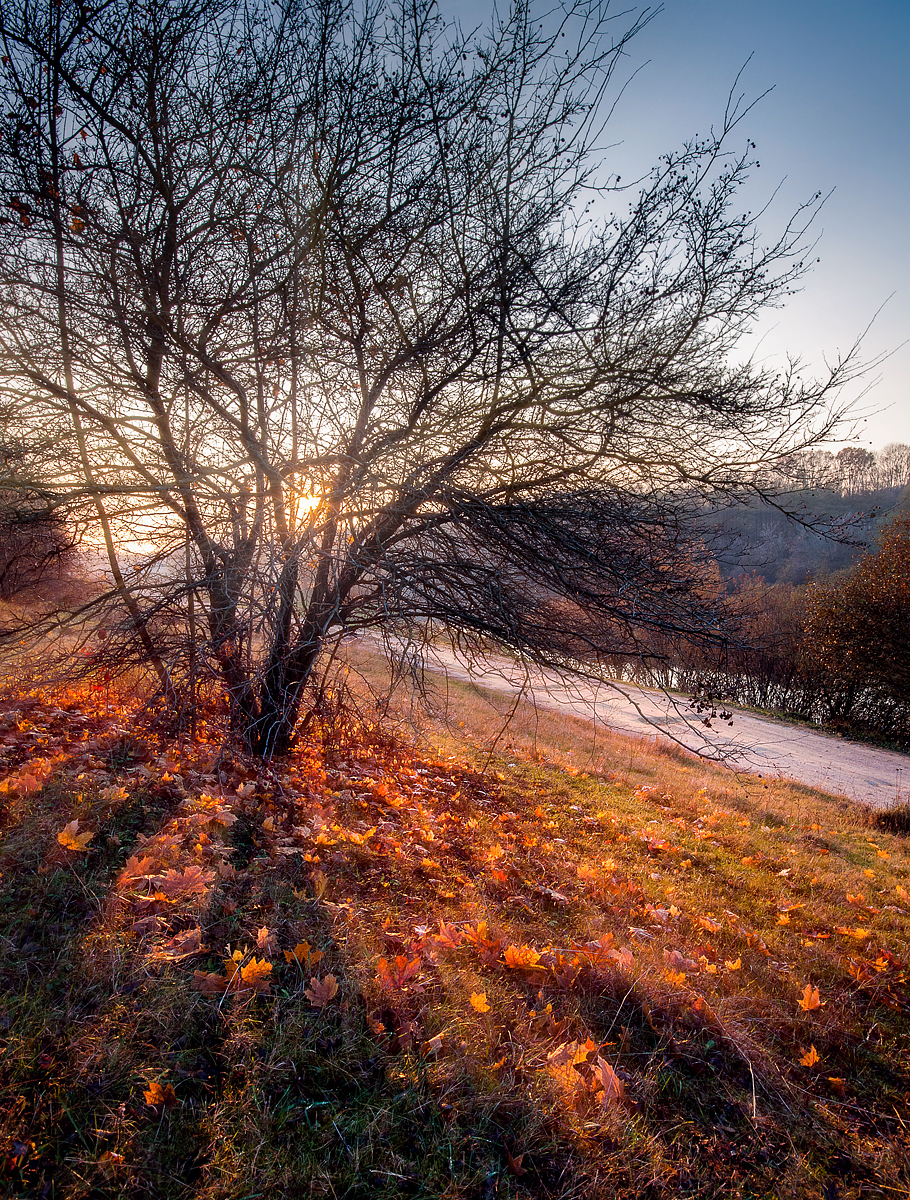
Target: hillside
x=408 y=966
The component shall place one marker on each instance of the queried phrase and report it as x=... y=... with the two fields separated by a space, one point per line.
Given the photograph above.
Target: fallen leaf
x=70 y=838
x=709 y=925
x=733 y=964
x=449 y=937
x=810 y=1058
x=304 y=955
x=605 y=1077
x=320 y=991
x=810 y=998
x=479 y=1002
x=522 y=958
x=398 y=975
x=183 y=944
x=676 y=978
x=210 y=983
x=515 y=1164
x=157 y=1096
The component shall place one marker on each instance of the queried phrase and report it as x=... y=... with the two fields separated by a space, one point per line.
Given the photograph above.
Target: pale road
x=763 y=745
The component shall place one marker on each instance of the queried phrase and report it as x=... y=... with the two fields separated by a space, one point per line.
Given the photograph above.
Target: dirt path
x=750 y=743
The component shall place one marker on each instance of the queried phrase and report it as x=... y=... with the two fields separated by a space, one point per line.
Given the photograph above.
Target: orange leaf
x=71 y=839
x=522 y=958
x=191 y=882
x=810 y=998
x=320 y=991
x=303 y=955
x=709 y=925
x=398 y=975
x=676 y=978
x=449 y=936
x=479 y=1002
x=810 y=1058
x=733 y=964
x=158 y=1096
x=605 y=1077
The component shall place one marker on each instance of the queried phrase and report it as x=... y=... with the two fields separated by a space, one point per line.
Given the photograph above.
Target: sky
x=838 y=118
x=836 y=121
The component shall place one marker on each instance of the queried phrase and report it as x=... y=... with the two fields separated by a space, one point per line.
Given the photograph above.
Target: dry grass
x=656 y=913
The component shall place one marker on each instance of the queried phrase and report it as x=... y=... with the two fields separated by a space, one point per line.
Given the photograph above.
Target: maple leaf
x=676 y=978
x=70 y=838
x=523 y=958
x=733 y=964
x=320 y=991
x=114 y=793
x=563 y=1062
x=253 y=976
x=810 y=1058
x=265 y=940
x=191 y=882
x=398 y=975
x=157 y=1096
x=605 y=1077
x=810 y=998
x=137 y=868
x=856 y=898
x=210 y=983
x=709 y=925
x=304 y=955
x=478 y=1001
x=623 y=958
x=597 y=952
x=449 y=937
x=183 y=944
x=679 y=962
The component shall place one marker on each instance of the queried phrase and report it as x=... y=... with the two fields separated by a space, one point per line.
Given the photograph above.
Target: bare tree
x=323 y=297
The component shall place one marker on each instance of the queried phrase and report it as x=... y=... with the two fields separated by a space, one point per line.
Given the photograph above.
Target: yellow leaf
x=902 y=892
x=869 y=874
x=810 y=1058
x=810 y=998
x=783 y=919
x=254 y=976
x=320 y=991
x=71 y=839
x=676 y=978
x=709 y=925
x=733 y=964
x=479 y=1002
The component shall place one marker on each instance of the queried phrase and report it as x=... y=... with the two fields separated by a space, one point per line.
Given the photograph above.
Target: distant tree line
x=834 y=651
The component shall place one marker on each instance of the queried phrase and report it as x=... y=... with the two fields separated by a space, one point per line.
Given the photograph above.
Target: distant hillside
x=756 y=538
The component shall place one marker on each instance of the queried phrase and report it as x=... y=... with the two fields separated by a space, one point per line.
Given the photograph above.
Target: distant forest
x=846 y=500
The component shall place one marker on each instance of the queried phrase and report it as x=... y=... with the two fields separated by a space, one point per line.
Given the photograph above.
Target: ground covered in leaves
x=391 y=971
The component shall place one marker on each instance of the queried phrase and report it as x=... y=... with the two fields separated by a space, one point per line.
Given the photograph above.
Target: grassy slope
x=652 y=918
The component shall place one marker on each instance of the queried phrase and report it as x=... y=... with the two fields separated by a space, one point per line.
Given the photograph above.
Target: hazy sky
x=838 y=118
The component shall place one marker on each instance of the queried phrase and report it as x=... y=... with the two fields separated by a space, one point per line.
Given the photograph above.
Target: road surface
x=768 y=747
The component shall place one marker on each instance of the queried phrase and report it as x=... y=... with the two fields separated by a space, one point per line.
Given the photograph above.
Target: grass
x=564 y=967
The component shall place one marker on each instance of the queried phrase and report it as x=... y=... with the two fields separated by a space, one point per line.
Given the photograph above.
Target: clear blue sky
x=838 y=118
